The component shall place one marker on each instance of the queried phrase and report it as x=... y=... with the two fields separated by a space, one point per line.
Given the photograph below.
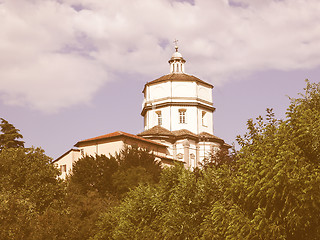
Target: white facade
x=178 y=111
x=65 y=162
x=108 y=144
x=178 y=101
x=178 y=123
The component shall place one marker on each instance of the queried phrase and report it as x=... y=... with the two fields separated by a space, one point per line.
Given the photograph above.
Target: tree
x=30 y=173
x=115 y=175
x=10 y=135
x=274 y=191
x=136 y=166
x=16 y=216
x=73 y=218
x=29 y=184
x=94 y=174
x=270 y=189
x=170 y=209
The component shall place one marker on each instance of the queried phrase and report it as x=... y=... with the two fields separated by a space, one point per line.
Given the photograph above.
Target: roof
x=156 y=130
x=66 y=153
x=184 y=132
x=161 y=131
x=179 y=77
x=117 y=134
x=208 y=135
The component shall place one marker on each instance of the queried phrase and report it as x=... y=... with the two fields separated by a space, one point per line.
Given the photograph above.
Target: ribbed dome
x=179 y=77
x=176 y=55
x=176 y=62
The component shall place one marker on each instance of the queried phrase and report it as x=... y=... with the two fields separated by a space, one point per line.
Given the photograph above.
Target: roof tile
x=117 y=134
x=179 y=77
x=156 y=130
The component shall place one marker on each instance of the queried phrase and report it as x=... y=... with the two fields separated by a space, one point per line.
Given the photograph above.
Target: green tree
x=136 y=166
x=274 y=191
x=170 y=209
x=94 y=174
x=115 y=175
x=29 y=184
x=270 y=189
x=10 y=135
x=30 y=173
x=133 y=156
x=73 y=218
x=16 y=216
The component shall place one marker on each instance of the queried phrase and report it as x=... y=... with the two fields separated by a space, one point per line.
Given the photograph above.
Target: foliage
x=29 y=173
x=16 y=215
x=133 y=156
x=72 y=219
x=275 y=190
x=136 y=166
x=10 y=135
x=219 y=158
x=28 y=186
x=124 y=180
x=115 y=175
x=94 y=174
x=267 y=190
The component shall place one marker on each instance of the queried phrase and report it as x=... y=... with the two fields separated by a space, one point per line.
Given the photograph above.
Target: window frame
x=182 y=116
x=63 y=168
x=203 y=119
x=159 y=118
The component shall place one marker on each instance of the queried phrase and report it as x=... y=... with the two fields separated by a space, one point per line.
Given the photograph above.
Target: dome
x=181 y=77
x=176 y=55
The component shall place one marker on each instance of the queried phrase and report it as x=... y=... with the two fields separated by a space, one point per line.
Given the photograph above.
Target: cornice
x=178 y=77
x=182 y=104
x=178 y=98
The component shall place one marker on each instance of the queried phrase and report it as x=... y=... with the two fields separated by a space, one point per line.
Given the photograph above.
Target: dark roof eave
x=66 y=153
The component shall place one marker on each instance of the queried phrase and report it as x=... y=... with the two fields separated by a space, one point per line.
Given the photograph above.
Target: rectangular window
x=63 y=168
x=204 y=120
x=159 y=118
x=182 y=115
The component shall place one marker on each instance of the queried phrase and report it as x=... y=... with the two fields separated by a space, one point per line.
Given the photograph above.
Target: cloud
x=57 y=54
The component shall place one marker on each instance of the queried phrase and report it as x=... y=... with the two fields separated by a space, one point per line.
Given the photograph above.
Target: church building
x=178 y=123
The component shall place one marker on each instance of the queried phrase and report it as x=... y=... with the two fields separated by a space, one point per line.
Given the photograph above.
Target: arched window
x=182 y=115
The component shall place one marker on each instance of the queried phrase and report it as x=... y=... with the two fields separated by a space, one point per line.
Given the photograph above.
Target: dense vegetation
x=269 y=189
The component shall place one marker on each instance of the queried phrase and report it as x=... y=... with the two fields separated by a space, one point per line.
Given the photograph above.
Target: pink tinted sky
x=75 y=69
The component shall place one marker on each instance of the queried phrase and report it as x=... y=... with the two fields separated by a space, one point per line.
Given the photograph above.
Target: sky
x=75 y=69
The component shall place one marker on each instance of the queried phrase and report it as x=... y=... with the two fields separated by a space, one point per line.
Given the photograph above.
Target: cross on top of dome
x=176 y=44
x=176 y=62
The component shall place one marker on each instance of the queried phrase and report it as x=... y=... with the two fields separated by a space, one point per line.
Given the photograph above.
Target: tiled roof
x=227 y=145
x=179 y=77
x=208 y=135
x=184 y=132
x=118 y=134
x=156 y=130
x=161 y=131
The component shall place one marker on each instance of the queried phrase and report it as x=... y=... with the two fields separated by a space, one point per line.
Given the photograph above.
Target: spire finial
x=176 y=62
x=176 y=44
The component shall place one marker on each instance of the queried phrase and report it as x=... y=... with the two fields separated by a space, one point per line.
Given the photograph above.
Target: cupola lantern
x=176 y=62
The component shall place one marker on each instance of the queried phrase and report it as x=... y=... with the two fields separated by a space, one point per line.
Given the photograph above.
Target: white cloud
x=56 y=54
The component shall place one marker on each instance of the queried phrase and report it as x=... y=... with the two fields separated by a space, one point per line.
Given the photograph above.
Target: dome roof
x=179 y=77
x=176 y=55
